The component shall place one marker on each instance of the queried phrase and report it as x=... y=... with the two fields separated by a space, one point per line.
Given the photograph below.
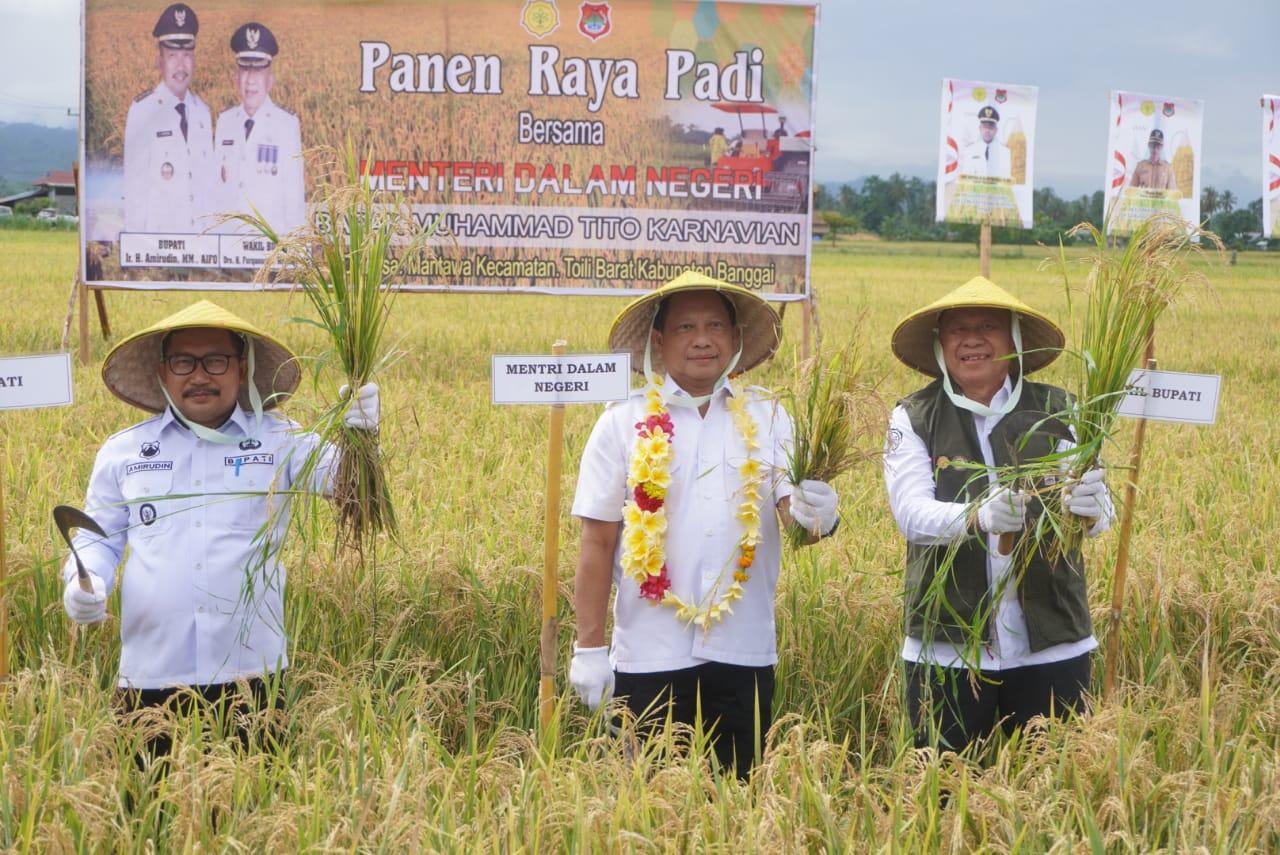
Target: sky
x=879 y=71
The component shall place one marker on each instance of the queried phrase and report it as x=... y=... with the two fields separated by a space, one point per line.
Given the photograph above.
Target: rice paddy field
x=412 y=710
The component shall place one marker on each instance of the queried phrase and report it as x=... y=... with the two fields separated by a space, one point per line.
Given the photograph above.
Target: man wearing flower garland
x=991 y=638
x=680 y=493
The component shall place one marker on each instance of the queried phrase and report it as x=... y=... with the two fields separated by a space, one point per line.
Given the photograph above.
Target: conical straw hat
x=760 y=325
x=1042 y=339
x=130 y=368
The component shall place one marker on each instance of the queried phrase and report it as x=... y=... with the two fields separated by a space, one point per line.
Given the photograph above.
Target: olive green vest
x=1053 y=593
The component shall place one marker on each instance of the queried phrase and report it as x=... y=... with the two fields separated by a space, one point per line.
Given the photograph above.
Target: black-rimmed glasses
x=212 y=363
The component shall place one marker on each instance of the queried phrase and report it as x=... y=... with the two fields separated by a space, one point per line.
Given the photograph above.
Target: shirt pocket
x=243 y=505
x=147 y=496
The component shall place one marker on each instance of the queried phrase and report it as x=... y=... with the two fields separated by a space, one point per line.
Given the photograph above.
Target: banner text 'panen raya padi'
x=986 y=153
x=1153 y=159
x=569 y=147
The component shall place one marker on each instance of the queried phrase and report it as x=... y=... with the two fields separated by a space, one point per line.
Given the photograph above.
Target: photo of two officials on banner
x=180 y=170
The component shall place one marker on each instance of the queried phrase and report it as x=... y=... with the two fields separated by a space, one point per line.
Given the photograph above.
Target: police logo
x=540 y=18
x=166 y=171
x=594 y=22
x=250 y=444
x=893 y=440
x=147 y=513
x=251 y=36
x=149 y=449
x=1168 y=108
x=180 y=17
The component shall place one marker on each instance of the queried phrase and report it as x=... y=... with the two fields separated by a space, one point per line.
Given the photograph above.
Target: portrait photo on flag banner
x=1153 y=159
x=1271 y=166
x=560 y=147
x=986 y=153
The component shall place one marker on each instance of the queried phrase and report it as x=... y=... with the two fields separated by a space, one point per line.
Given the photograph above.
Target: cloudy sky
x=880 y=66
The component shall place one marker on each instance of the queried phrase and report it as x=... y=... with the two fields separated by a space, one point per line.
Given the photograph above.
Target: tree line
x=902 y=208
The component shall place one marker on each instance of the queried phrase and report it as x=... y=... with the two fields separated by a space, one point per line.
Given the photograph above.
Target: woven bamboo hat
x=759 y=324
x=1042 y=339
x=130 y=368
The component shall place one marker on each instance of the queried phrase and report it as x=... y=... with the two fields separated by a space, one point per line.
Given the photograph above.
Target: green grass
x=413 y=702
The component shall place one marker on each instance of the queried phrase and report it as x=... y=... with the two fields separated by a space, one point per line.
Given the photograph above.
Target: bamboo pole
x=1126 y=532
x=551 y=563
x=984 y=250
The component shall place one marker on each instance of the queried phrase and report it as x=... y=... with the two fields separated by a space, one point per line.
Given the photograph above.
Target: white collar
x=238 y=417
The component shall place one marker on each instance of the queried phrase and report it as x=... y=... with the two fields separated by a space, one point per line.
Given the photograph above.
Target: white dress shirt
x=702 y=531
x=202 y=591
x=922 y=519
x=262 y=169
x=168 y=180
x=986 y=160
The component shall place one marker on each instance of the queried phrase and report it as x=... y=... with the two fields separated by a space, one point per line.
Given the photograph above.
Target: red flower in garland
x=644 y=501
x=655 y=587
x=663 y=421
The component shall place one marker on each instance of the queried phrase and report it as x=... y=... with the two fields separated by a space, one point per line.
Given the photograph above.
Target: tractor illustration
x=778 y=161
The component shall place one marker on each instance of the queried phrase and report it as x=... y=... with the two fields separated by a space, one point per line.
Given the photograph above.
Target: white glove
x=591 y=675
x=1003 y=512
x=813 y=506
x=83 y=607
x=1089 y=496
x=364 y=410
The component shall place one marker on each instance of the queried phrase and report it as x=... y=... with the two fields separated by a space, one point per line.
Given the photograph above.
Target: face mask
x=210 y=435
x=973 y=406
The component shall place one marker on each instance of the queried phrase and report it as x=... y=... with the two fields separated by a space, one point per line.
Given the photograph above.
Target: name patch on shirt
x=262 y=458
x=164 y=133
x=149 y=466
x=228 y=142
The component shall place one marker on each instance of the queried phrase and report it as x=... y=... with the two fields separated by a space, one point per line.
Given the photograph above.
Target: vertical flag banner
x=1271 y=166
x=564 y=146
x=986 y=153
x=1153 y=159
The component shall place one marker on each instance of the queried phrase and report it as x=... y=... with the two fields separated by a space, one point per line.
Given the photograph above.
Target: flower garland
x=645 y=517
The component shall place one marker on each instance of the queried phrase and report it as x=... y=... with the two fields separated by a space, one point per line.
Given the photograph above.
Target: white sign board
x=578 y=378
x=1172 y=396
x=35 y=381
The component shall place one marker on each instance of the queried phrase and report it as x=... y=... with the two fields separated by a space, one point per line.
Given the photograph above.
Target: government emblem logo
x=1002 y=95
x=251 y=36
x=1168 y=108
x=180 y=17
x=250 y=444
x=594 y=20
x=540 y=18
x=149 y=450
x=147 y=513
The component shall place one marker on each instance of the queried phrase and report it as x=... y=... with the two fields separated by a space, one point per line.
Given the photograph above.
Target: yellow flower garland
x=645 y=518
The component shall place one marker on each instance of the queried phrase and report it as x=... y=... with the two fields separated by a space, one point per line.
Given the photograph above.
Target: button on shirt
x=262 y=169
x=702 y=531
x=922 y=519
x=202 y=591
x=168 y=178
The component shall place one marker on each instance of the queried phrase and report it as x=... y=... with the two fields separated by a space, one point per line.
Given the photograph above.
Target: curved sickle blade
x=66 y=518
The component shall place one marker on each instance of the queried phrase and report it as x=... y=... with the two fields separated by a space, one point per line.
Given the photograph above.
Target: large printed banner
x=1271 y=166
x=986 y=153
x=563 y=147
x=1153 y=159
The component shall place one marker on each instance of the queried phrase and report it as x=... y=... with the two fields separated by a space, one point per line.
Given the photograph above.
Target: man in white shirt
x=168 y=151
x=987 y=640
x=258 y=142
x=986 y=157
x=681 y=491
x=199 y=493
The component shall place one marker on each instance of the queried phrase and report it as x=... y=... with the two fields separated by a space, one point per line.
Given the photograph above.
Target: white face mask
x=208 y=434
x=668 y=396
x=1015 y=331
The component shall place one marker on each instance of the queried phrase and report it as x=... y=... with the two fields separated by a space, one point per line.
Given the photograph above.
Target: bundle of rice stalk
x=836 y=414
x=1124 y=294
x=340 y=267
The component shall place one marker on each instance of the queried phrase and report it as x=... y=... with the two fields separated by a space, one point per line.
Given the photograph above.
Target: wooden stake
x=1126 y=532
x=4 y=572
x=984 y=250
x=84 y=322
x=806 y=321
x=551 y=564
x=103 y=323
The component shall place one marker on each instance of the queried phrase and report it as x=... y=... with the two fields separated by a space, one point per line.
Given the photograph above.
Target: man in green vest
x=989 y=639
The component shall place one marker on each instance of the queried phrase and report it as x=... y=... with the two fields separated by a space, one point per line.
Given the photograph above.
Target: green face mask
x=210 y=435
x=972 y=406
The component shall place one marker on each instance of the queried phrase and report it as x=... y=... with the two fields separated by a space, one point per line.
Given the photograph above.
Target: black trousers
x=736 y=703
x=226 y=704
x=951 y=709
